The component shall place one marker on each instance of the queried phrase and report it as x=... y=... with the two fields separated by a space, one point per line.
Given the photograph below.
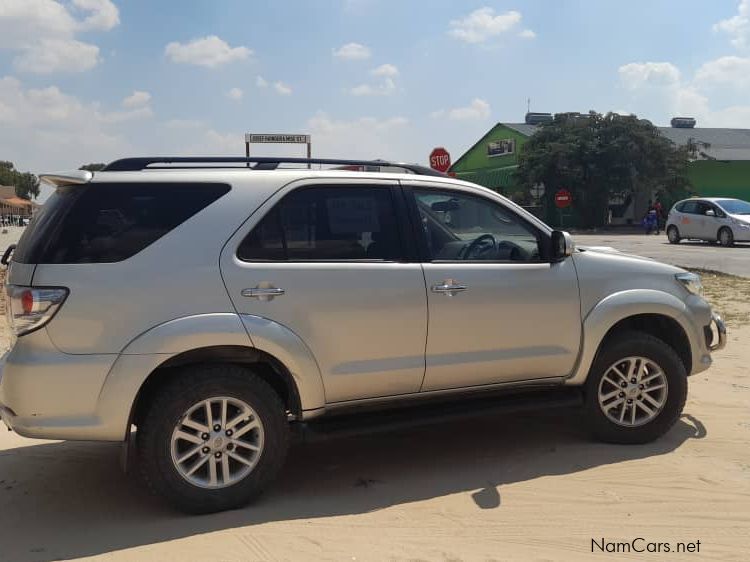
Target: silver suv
x=203 y=313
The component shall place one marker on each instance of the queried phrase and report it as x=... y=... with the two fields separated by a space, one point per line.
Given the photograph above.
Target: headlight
x=740 y=223
x=691 y=282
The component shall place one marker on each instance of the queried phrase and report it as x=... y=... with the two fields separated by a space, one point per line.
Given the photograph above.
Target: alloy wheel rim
x=217 y=442
x=633 y=391
x=672 y=234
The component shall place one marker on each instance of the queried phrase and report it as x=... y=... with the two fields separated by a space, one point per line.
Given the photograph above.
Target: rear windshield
x=109 y=222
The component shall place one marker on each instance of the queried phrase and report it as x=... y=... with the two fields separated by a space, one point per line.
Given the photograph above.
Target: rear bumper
x=47 y=394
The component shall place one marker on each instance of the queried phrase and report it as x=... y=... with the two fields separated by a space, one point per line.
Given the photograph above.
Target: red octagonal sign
x=440 y=160
x=563 y=198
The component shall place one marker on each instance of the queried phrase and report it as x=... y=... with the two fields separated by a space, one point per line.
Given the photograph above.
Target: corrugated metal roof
x=523 y=128
x=494 y=178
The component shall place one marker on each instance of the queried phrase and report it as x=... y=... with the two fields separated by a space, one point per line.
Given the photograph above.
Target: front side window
x=327 y=223
x=459 y=226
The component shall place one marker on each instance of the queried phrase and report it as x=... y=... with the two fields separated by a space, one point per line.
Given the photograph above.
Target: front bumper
x=718 y=341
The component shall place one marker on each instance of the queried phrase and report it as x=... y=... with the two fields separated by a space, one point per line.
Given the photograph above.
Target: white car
x=715 y=219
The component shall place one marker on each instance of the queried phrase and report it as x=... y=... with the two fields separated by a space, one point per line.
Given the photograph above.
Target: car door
x=499 y=311
x=326 y=261
x=688 y=220
x=704 y=225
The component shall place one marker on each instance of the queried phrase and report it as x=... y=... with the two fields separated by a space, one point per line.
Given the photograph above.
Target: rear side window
x=327 y=223
x=110 y=222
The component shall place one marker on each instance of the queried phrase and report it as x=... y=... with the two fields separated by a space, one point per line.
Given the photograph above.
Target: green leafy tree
x=597 y=157
x=26 y=183
x=93 y=167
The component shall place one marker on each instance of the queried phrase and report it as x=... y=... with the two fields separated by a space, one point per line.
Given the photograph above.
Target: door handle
x=262 y=293
x=449 y=287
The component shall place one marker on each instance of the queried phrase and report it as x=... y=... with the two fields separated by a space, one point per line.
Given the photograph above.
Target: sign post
x=440 y=160
x=563 y=200
x=275 y=138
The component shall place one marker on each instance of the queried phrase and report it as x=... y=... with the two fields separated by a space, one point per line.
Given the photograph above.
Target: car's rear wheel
x=636 y=389
x=726 y=237
x=673 y=235
x=213 y=438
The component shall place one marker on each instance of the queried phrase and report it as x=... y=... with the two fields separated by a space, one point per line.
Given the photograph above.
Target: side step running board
x=416 y=416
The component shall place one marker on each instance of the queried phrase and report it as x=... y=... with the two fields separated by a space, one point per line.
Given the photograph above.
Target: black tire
x=639 y=344
x=186 y=388
x=673 y=235
x=725 y=236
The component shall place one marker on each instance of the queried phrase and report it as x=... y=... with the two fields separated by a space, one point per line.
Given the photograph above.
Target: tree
x=597 y=157
x=93 y=167
x=26 y=183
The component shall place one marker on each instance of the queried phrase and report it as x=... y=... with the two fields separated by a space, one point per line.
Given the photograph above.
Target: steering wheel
x=480 y=246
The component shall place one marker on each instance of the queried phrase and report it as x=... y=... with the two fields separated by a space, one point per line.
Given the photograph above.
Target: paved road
x=735 y=260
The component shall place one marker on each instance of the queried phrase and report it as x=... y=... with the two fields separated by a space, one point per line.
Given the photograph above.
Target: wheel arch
x=266 y=366
x=657 y=313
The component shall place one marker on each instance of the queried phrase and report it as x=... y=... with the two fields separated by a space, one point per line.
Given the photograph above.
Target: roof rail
x=261 y=163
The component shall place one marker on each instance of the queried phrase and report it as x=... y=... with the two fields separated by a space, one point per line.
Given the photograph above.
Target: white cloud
x=483 y=24
x=57 y=55
x=45 y=128
x=715 y=96
x=385 y=70
x=42 y=33
x=477 y=109
x=282 y=88
x=261 y=82
x=366 y=137
x=103 y=14
x=235 y=94
x=352 y=51
x=385 y=88
x=527 y=34
x=138 y=98
x=730 y=72
x=210 y=51
x=636 y=75
x=738 y=26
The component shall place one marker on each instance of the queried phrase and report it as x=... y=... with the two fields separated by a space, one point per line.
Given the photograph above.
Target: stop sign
x=440 y=160
x=563 y=198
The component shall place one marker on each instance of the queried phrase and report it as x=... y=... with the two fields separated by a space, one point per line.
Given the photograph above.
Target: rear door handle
x=262 y=293
x=449 y=287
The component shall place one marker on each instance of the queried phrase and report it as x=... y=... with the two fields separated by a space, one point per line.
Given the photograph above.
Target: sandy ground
x=524 y=487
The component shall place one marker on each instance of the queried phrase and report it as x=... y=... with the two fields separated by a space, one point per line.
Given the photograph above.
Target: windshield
x=735 y=206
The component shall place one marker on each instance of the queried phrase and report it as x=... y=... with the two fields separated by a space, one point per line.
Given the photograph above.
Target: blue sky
x=93 y=80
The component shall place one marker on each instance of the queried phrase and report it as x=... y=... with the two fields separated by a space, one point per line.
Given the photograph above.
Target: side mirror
x=562 y=245
x=710 y=213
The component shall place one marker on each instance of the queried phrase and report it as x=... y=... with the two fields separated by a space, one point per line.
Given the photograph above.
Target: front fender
x=621 y=305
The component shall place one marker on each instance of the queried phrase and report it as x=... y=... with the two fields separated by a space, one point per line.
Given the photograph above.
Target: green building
x=724 y=172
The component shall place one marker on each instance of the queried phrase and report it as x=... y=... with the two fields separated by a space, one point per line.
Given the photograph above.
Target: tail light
x=30 y=308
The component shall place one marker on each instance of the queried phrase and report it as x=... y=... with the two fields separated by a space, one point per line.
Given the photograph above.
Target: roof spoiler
x=67 y=178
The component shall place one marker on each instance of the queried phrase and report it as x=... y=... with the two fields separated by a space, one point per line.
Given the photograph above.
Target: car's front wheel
x=213 y=438
x=636 y=389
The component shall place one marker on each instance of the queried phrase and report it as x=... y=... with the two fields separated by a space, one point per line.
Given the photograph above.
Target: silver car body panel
x=364 y=322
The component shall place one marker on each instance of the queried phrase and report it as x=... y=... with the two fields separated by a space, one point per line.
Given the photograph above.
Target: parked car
x=218 y=310
x=714 y=219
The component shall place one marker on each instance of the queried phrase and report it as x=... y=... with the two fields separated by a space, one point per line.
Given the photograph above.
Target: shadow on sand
x=69 y=500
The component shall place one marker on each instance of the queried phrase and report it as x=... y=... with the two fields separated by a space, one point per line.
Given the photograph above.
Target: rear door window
x=327 y=223
x=110 y=222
